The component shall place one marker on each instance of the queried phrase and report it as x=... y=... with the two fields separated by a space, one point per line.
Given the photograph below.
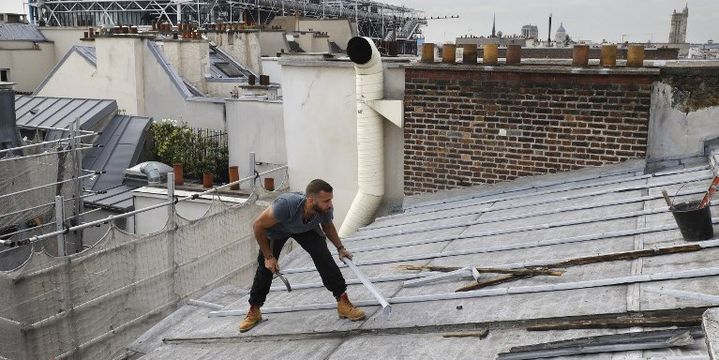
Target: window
x=4 y=74
x=229 y=69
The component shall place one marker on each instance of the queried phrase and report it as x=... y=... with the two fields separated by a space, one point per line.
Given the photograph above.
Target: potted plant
x=170 y=143
x=207 y=164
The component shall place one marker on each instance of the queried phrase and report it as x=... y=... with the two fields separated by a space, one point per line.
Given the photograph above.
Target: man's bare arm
x=263 y=222
x=331 y=233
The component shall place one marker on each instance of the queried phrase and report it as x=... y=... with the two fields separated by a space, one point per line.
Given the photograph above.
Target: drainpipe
x=370 y=140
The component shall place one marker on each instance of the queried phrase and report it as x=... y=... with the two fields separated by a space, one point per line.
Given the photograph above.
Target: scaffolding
x=377 y=20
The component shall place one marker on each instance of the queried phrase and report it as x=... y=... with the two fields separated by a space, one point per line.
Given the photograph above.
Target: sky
x=596 y=20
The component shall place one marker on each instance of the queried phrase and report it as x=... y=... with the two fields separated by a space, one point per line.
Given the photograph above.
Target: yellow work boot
x=253 y=317
x=346 y=310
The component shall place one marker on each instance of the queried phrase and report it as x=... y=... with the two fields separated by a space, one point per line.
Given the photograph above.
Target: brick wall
x=466 y=126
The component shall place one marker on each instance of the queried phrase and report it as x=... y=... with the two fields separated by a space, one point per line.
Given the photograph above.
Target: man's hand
x=271 y=264
x=344 y=253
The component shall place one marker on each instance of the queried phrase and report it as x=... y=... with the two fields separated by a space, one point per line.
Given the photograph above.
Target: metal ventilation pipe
x=370 y=146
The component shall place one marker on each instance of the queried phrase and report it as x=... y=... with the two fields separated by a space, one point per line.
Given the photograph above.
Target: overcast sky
x=636 y=20
x=613 y=20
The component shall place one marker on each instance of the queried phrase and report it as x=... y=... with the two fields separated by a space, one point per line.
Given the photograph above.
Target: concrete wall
x=244 y=46
x=255 y=126
x=271 y=66
x=321 y=129
x=65 y=38
x=137 y=81
x=339 y=31
x=115 y=77
x=76 y=78
x=191 y=59
x=154 y=220
x=28 y=62
x=272 y=43
x=684 y=112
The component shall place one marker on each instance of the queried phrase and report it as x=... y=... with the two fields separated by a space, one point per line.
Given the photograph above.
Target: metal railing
x=172 y=202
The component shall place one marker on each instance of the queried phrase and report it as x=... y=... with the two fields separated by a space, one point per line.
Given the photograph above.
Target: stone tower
x=678 y=31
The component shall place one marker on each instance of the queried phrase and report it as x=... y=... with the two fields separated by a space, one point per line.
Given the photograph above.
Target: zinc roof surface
x=20 y=32
x=533 y=221
x=41 y=111
x=122 y=140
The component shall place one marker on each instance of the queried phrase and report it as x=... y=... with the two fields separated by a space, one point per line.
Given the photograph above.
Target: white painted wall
x=65 y=38
x=136 y=80
x=76 y=78
x=320 y=127
x=272 y=43
x=256 y=126
x=339 y=30
x=675 y=134
x=191 y=59
x=154 y=220
x=28 y=62
x=271 y=66
x=115 y=77
x=92 y=234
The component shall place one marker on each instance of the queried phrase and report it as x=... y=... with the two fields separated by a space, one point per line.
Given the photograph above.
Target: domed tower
x=561 y=35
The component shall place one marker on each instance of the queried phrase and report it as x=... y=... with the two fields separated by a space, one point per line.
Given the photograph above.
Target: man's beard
x=319 y=210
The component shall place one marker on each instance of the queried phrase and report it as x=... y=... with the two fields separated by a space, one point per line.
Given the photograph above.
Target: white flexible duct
x=370 y=139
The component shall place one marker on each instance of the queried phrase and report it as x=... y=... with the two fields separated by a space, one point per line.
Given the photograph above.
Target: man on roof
x=307 y=218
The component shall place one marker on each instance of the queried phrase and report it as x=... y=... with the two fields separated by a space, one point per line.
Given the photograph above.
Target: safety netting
x=92 y=304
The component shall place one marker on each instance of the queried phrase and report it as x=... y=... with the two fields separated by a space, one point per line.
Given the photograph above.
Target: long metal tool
x=386 y=308
x=284 y=280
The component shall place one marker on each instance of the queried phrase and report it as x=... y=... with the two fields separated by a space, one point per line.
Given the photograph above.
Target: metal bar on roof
x=42 y=205
x=544 y=192
x=523 y=229
x=480 y=221
x=386 y=308
x=205 y=304
x=461 y=273
x=46 y=153
x=680 y=294
x=48 y=185
x=47 y=142
x=124 y=215
x=353 y=281
x=58 y=129
x=536 y=187
x=498 y=208
x=531 y=289
x=526 y=245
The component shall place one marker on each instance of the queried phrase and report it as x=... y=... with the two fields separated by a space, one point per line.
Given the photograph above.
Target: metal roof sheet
x=122 y=141
x=20 y=32
x=532 y=221
x=40 y=111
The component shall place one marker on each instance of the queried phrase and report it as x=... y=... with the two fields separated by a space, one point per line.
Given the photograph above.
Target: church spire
x=494 y=20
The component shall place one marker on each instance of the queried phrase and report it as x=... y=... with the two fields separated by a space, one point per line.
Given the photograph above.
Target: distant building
x=530 y=31
x=678 y=31
x=560 y=37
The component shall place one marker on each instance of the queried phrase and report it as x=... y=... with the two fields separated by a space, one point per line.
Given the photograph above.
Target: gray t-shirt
x=288 y=209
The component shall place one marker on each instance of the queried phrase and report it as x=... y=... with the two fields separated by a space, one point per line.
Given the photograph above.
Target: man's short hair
x=317 y=185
